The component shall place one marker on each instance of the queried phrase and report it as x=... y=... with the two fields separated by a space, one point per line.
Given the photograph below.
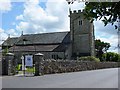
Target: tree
x=108 y=12
x=101 y=47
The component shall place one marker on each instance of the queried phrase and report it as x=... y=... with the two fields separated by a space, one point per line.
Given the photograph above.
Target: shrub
x=18 y=67
x=111 y=56
x=89 y=58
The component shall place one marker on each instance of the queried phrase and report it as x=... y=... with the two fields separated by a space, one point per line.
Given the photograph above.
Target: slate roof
x=45 y=38
x=41 y=48
x=56 y=41
x=10 y=41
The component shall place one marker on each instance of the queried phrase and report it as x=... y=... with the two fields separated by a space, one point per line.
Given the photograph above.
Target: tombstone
x=37 y=59
x=9 y=64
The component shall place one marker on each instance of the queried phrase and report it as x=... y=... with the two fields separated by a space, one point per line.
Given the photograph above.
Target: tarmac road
x=103 y=78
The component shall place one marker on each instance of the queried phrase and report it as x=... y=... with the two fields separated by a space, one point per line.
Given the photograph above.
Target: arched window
x=80 y=22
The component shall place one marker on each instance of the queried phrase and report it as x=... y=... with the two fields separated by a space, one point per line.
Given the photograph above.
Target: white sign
x=28 y=60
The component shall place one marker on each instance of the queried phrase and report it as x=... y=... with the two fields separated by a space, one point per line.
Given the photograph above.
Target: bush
x=111 y=56
x=18 y=67
x=89 y=58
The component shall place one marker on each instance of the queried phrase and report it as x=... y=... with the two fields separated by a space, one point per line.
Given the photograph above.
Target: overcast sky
x=41 y=16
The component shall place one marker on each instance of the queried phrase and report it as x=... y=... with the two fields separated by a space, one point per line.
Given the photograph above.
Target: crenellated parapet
x=76 y=13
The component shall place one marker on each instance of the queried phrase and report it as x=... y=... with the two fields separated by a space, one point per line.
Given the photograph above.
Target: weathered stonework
x=82 y=34
x=63 y=66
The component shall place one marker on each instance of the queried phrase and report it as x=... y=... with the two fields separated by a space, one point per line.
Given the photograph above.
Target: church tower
x=82 y=35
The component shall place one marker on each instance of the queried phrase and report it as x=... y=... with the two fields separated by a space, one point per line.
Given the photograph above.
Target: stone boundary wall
x=62 y=66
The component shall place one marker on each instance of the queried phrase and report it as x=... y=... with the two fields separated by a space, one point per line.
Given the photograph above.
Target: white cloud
x=23 y=25
x=109 y=38
x=29 y=28
x=52 y=18
x=20 y=17
x=12 y=32
x=3 y=35
x=76 y=5
x=107 y=34
x=5 y=5
x=1 y=30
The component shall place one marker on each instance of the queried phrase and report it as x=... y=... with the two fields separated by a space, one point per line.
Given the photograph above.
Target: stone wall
x=62 y=66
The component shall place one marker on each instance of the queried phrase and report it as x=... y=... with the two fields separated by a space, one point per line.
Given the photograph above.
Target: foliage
x=18 y=67
x=5 y=51
x=101 y=47
x=108 y=12
x=89 y=58
x=111 y=56
x=30 y=69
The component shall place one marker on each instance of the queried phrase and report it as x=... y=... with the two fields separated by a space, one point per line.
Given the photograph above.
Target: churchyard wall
x=63 y=66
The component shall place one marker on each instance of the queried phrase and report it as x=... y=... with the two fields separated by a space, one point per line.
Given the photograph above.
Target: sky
x=41 y=16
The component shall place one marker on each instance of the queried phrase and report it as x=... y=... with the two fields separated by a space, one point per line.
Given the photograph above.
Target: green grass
x=28 y=69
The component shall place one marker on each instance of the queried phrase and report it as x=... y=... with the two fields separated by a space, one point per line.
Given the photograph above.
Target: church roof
x=10 y=41
x=56 y=41
x=44 y=38
x=29 y=48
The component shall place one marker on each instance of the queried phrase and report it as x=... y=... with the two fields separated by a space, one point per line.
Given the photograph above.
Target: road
x=103 y=78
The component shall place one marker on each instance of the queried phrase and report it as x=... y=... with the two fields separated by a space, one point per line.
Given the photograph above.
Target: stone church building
x=79 y=41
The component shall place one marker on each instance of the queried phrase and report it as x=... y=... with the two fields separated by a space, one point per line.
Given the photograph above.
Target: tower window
x=80 y=22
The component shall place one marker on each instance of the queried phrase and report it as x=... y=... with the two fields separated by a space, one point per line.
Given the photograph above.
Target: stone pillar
x=38 y=58
x=11 y=66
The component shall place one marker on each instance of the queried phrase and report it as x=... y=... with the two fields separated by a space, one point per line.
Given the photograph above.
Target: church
x=77 y=42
